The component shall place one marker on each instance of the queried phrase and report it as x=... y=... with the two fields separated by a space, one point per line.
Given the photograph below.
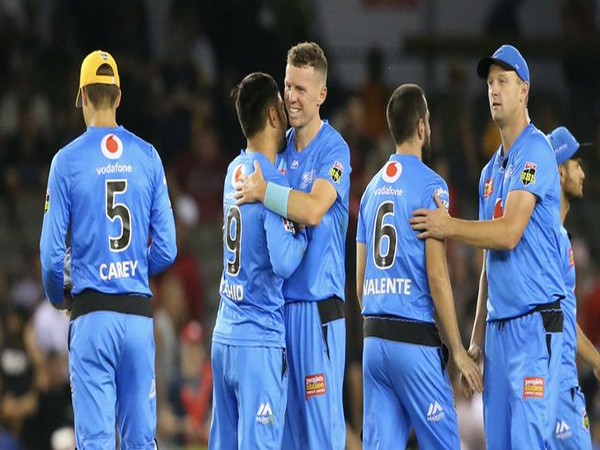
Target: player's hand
x=597 y=374
x=470 y=373
x=432 y=223
x=251 y=188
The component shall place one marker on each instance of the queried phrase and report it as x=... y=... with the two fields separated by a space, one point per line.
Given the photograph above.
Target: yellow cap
x=89 y=72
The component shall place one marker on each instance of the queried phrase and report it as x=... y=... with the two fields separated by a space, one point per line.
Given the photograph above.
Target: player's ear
x=272 y=116
x=118 y=101
x=562 y=173
x=524 y=92
x=421 y=129
x=322 y=96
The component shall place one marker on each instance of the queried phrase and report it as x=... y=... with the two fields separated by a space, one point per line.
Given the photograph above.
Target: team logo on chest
x=528 y=174
x=488 y=188
x=111 y=146
x=392 y=171
x=498 y=210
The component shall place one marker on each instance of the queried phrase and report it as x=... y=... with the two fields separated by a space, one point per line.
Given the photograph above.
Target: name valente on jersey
x=384 y=286
x=119 y=269
x=114 y=168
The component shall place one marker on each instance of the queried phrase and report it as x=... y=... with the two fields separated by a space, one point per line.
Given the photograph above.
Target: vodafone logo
x=111 y=146
x=237 y=174
x=392 y=171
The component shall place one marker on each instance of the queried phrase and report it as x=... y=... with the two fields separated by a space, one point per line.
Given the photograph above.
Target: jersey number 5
x=387 y=232
x=118 y=211
x=233 y=240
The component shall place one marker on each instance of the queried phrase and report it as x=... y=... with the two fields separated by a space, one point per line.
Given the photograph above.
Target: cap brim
x=483 y=66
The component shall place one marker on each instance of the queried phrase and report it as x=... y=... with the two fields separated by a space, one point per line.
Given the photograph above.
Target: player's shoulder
x=332 y=137
x=134 y=139
x=536 y=141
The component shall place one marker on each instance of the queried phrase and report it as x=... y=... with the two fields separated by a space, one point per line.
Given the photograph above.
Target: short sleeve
x=534 y=168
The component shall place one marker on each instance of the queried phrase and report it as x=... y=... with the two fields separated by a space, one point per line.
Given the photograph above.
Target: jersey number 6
x=384 y=231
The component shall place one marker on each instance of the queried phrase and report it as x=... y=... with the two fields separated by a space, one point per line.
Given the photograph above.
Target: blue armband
x=276 y=198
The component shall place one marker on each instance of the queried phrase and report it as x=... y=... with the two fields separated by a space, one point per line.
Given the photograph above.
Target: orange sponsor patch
x=533 y=387
x=314 y=385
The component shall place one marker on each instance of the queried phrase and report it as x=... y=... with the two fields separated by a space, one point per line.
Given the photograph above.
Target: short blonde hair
x=308 y=54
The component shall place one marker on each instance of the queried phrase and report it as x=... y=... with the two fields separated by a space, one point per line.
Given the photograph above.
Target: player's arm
x=441 y=292
x=476 y=347
x=361 y=262
x=503 y=233
x=163 y=248
x=307 y=209
x=587 y=352
x=54 y=233
x=286 y=245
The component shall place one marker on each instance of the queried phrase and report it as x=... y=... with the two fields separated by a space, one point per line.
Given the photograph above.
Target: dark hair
x=253 y=97
x=308 y=54
x=406 y=107
x=103 y=95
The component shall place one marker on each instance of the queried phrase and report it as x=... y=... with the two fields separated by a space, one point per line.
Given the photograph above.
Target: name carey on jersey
x=118 y=269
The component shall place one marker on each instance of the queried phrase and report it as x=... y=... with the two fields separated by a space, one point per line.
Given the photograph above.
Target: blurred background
x=178 y=60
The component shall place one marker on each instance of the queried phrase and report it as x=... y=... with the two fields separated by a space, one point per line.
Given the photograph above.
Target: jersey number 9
x=233 y=239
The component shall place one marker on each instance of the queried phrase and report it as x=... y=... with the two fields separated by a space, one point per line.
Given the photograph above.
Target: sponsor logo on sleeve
x=585 y=420
x=47 y=202
x=111 y=146
x=443 y=195
x=571 y=258
x=528 y=174
x=336 y=172
x=314 y=386
x=533 y=387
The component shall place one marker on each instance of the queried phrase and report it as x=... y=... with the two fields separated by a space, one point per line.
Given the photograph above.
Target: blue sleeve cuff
x=276 y=198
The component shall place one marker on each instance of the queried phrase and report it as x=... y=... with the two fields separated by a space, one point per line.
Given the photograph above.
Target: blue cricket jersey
x=530 y=274
x=396 y=282
x=107 y=190
x=568 y=369
x=260 y=249
x=321 y=274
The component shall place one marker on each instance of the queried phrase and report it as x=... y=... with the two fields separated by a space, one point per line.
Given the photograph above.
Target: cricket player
x=572 y=424
x=107 y=196
x=316 y=161
x=403 y=285
x=521 y=284
x=260 y=250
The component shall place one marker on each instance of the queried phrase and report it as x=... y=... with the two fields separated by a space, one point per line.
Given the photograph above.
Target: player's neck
x=262 y=145
x=510 y=131
x=305 y=134
x=103 y=118
x=412 y=147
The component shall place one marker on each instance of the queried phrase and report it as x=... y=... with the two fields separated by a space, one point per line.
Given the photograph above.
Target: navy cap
x=508 y=57
x=564 y=144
